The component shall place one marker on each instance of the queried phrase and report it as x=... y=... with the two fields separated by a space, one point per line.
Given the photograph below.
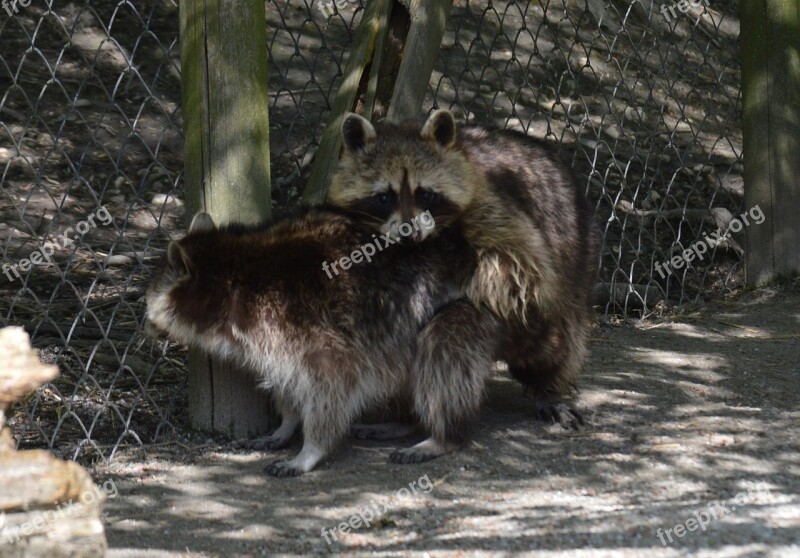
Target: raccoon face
x=410 y=181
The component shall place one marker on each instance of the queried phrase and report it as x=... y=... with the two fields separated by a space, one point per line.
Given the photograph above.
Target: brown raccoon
x=329 y=346
x=521 y=210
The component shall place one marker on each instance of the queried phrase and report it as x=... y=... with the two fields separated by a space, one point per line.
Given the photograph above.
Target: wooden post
x=380 y=36
x=770 y=43
x=428 y=20
x=225 y=105
x=373 y=24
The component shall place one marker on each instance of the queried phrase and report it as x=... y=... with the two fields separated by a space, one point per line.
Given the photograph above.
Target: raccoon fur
x=522 y=211
x=330 y=346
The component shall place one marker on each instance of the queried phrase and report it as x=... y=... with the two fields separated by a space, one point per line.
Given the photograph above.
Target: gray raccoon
x=328 y=347
x=520 y=208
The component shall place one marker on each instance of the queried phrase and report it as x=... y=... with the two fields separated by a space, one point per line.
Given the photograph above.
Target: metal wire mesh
x=645 y=106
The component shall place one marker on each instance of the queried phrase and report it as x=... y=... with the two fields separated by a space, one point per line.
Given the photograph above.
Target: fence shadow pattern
x=645 y=108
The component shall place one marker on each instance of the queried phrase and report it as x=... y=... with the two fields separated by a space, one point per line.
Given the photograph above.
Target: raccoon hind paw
x=283 y=469
x=557 y=411
x=424 y=451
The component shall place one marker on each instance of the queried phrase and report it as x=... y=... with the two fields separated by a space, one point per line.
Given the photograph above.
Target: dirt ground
x=694 y=428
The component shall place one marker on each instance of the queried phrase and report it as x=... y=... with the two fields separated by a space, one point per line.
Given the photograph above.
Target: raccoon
x=531 y=226
x=330 y=346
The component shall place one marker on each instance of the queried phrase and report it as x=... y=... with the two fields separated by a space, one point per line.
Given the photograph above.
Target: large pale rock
x=48 y=507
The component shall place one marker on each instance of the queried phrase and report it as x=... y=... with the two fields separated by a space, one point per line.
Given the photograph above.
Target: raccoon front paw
x=283 y=469
x=557 y=411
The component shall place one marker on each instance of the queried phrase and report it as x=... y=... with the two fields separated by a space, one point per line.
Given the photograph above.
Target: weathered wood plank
x=21 y=370
x=55 y=481
x=48 y=507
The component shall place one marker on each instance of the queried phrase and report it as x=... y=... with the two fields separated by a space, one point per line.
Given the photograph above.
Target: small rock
x=632 y=113
x=515 y=124
x=612 y=131
x=166 y=199
x=118 y=260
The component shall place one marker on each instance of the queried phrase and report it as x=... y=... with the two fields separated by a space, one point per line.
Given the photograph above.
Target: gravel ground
x=692 y=419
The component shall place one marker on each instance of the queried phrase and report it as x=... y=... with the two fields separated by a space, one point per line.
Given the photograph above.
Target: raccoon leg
x=454 y=356
x=280 y=437
x=327 y=407
x=307 y=459
x=383 y=431
x=320 y=434
x=546 y=358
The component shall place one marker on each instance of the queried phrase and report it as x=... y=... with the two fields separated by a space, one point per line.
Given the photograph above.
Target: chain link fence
x=644 y=103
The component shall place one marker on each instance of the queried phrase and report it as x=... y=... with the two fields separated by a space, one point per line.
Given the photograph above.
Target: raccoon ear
x=178 y=258
x=202 y=222
x=357 y=133
x=441 y=128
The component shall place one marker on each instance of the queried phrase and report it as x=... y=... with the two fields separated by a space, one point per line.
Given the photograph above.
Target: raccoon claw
x=562 y=413
x=282 y=469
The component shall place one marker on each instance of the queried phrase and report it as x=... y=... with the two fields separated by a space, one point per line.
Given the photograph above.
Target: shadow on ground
x=687 y=416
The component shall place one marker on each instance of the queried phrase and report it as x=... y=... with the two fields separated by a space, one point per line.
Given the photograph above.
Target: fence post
x=770 y=43
x=428 y=20
x=381 y=37
x=374 y=22
x=226 y=122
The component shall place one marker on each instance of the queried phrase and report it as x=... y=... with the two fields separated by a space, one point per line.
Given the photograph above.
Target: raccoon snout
x=413 y=237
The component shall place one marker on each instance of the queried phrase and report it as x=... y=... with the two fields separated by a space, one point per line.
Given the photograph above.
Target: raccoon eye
x=382 y=198
x=428 y=196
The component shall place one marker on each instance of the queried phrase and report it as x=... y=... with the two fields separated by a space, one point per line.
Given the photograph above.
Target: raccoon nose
x=413 y=237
